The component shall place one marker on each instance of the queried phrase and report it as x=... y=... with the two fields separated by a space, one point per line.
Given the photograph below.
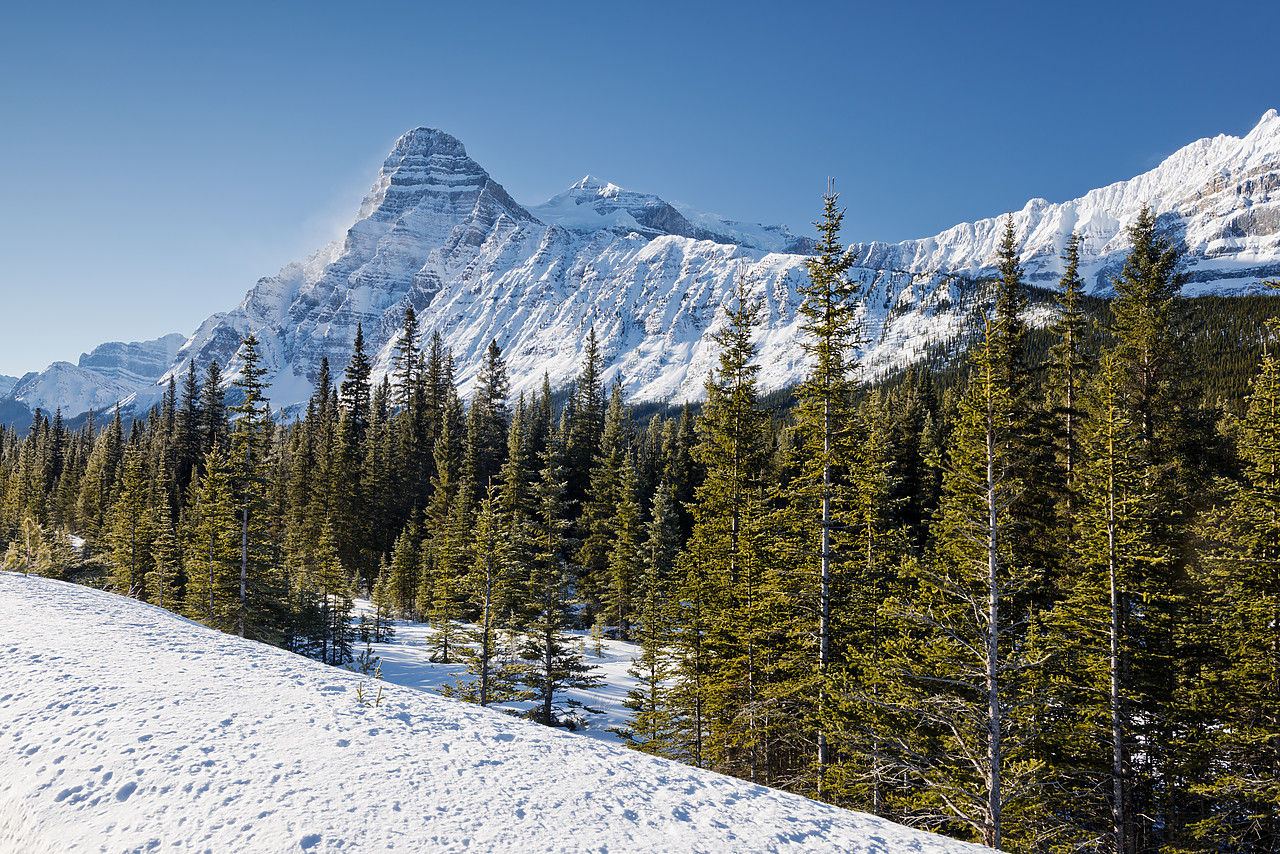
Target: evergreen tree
x=260 y=610
x=829 y=311
x=212 y=544
x=489 y=586
x=1100 y=618
x=584 y=415
x=555 y=666
x=1241 y=777
x=213 y=411
x=965 y=672
x=450 y=560
x=1068 y=365
x=600 y=506
x=626 y=556
x=357 y=393
x=189 y=438
x=1147 y=312
x=132 y=529
x=403 y=573
x=656 y=720
x=490 y=406
x=726 y=551
x=164 y=580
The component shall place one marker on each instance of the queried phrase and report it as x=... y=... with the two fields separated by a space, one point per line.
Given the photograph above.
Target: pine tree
x=450 y=560
x=212 y=546
x=1242 y=774
x=132 y=529
x=964 y=673
x=600 y=506
x=1068 y=366
x=334 y=591
x=489 y=587
x=829 y=310
x=213 y=411
x=555 y=666
x=1147 y=313
x=163 y=581
x=260 y=609
x=729 y=598
x=189 y=444
x=656 y=720
x=490 y=405
x=626 y=556
x=403 y=573
x=357 y=393
x=584 y=414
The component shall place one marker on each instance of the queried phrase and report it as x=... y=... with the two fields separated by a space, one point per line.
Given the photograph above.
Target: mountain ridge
x=438 y=233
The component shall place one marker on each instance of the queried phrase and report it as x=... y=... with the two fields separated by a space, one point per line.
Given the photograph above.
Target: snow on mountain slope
x=1218 y=198
x=109 y=373
x=653 y=278
x=126 y=728
x=595 y=205
x=438 y=234
x=6 y=383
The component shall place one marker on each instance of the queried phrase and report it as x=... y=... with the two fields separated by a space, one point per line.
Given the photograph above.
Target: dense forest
x=1028 y=595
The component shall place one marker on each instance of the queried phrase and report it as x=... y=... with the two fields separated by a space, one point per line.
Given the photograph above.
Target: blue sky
x=157 y=159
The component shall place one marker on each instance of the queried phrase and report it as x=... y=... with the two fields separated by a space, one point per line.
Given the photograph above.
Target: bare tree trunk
x=1119 y=819
x=824 y=606
x=994 y=754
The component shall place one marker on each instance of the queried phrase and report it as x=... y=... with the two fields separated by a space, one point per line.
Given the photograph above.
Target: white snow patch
x=124 y=727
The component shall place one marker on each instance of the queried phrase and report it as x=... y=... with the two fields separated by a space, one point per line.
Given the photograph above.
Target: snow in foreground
x=126 y=728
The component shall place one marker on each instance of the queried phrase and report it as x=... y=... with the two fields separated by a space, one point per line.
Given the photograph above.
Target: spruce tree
x=554 y=664
x=490 y=589
x=726 y=552
x=1241 y=780
x=132 y=529
x=963 y=673
x=260 y=612
x=1069 y=362
x=212 y=547
x=830 y=326
x=656 y=719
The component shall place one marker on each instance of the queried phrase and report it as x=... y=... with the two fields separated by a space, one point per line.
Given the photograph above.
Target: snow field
x=126 y=728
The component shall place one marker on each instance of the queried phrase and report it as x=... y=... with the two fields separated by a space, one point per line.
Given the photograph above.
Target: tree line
x=1038 y=609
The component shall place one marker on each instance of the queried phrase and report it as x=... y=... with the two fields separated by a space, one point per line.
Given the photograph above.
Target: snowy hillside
x=437 y=233
x=125 y=728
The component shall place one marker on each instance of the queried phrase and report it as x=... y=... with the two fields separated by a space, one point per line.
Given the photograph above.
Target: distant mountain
x=1219 y=199
x=653 y=278
x=111 y=372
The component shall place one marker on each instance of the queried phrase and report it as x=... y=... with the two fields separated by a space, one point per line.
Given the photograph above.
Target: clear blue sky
x=157 y=159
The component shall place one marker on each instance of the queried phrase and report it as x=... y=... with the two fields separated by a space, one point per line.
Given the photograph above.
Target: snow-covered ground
x=406 y=660
x=126 y=728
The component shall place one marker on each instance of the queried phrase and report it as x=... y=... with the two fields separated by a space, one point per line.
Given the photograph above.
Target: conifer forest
x=1027 y=596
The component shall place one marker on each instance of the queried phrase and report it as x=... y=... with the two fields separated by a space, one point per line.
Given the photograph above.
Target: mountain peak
x=591 y=183
x=425 y=141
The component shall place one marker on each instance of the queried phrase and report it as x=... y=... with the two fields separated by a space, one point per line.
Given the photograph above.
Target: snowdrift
x=126 y=728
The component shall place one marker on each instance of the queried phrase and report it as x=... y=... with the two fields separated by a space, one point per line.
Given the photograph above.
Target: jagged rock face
x=654 y=279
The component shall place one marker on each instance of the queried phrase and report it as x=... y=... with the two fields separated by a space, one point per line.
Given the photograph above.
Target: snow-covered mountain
x=1218 y=198
x=111 y=372
x=653 y=278
x=127 y=728
x=6 y=383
